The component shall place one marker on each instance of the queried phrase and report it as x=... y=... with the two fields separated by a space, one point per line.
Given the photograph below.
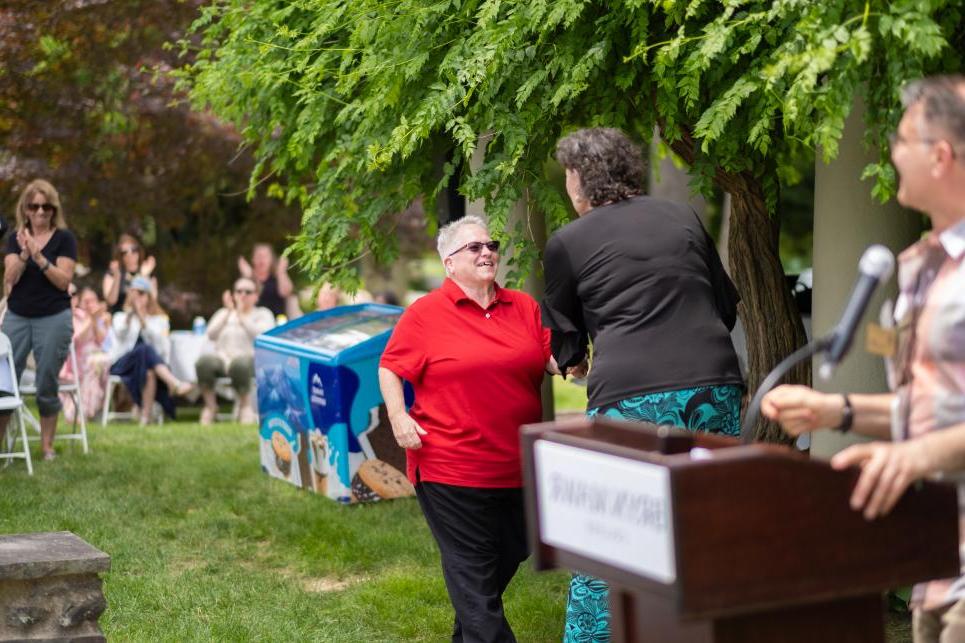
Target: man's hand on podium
x=887 y=469
x=800 y=409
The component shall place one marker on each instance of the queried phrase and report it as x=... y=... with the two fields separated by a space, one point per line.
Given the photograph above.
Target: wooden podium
x=703 y=539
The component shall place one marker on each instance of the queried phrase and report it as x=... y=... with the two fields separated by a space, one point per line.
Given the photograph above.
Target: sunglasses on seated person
x=47 y=207
x=476 y=247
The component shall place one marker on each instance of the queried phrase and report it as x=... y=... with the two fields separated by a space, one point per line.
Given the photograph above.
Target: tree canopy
x=350 y=106
x=353 y=109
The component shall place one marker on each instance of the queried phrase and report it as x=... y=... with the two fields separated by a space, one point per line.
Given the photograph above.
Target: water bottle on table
x=199 y=326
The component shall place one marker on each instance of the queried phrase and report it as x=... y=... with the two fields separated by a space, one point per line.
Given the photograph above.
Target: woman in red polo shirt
x=475 y=355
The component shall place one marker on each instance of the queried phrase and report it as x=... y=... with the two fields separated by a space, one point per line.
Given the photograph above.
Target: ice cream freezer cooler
x=322 y=421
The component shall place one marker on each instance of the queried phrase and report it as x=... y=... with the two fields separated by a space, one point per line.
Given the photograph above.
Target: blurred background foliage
x=83 y=105
x=86 y=100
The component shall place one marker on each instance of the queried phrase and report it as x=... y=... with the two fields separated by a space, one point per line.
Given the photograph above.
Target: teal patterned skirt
x=713 y=409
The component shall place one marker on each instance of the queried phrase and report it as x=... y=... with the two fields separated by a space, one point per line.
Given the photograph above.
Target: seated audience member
x=129 y=262
x=271 y=275
x=92 y=324
x=233 y=329
x=141 y=351
x=97 y=310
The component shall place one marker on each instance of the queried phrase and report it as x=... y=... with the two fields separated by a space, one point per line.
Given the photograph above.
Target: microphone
x=876 y=266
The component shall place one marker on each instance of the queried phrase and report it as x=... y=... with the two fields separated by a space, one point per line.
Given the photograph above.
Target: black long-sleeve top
x=643 y=280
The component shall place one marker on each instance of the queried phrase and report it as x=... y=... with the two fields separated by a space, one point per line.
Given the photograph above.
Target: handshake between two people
x=579 y=371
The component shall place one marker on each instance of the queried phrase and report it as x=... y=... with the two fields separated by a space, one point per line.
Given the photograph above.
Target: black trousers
x=481 y=535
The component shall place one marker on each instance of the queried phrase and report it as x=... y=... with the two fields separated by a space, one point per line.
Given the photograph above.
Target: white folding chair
x=13 y=403
x=72 y=388
x=108 y=415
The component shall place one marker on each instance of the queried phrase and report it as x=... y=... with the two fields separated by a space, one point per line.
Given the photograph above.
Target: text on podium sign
x=606 y=508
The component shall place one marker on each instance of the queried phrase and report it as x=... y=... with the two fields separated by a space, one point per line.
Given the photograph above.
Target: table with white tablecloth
x=186 y=348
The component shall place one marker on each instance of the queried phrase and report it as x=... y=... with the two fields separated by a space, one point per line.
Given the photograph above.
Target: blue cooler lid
x=341 y=334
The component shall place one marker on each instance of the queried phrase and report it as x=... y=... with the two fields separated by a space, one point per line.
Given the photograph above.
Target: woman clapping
x=141 y=350
x=38 y=268
x=233 y=329
x=129 y=262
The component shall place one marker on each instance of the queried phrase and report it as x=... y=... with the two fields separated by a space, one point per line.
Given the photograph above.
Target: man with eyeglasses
x=927 y=409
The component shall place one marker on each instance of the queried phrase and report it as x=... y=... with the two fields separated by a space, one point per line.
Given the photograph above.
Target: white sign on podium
x=611 y=509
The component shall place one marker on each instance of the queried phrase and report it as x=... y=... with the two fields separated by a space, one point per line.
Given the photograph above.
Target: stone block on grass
x=50 y=589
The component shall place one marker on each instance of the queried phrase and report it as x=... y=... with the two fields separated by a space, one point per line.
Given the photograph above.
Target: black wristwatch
x=847 y=416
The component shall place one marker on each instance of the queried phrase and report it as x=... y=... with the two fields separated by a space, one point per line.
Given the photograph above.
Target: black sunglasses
x=47 y=207
x=477 y=246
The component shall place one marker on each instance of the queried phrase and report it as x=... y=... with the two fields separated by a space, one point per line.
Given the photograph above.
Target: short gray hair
x=943 y=98
x=449 y=232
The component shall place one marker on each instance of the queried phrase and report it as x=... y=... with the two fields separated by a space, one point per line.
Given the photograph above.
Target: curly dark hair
x=610 y=166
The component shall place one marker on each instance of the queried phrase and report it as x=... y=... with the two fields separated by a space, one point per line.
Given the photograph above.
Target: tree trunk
x=767 y=310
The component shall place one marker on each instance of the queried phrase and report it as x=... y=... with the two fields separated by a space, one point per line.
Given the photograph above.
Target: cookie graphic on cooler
x=283 y=453
x=375 y=480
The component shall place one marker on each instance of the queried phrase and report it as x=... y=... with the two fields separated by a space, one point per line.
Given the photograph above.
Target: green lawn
x=568 y=397
x=204 y=546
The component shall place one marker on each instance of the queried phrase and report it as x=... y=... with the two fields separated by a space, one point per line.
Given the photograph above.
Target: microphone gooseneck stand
x=876 y=265
x=776 y=375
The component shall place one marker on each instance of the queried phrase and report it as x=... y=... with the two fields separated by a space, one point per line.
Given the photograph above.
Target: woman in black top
x=129 y=262
x=274 y=284
x=641 y=279
x=38 y=268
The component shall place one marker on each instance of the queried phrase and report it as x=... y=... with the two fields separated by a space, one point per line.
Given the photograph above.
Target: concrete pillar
x=846 y=221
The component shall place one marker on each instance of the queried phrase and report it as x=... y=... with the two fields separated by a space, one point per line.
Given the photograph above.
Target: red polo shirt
x=476 y=375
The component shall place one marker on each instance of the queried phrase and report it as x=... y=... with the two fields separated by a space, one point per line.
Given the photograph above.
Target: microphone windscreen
x=877 y=261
